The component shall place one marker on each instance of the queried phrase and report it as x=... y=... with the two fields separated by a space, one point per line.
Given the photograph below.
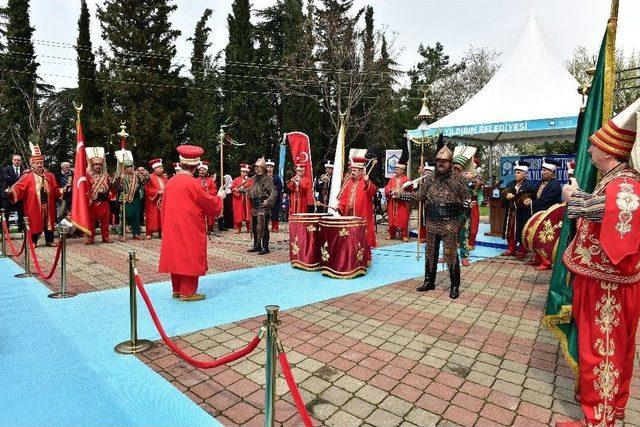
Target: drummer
x=548 y=193
x=517 y=212
x=356 y=197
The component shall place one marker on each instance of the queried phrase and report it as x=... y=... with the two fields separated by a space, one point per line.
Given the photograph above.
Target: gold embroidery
x=627 y=202
x=343 y=233
x=360 y=254
x=607 y=376
x=311 y=228
x=548 y=231
x=295 y=249
x=324 y=252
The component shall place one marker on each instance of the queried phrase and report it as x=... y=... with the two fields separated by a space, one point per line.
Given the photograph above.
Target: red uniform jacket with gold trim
x=606 y=245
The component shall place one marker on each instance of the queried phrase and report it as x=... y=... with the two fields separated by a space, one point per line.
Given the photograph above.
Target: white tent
x=532 y=97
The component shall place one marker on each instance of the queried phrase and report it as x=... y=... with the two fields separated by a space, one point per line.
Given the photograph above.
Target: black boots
x=430 y=269
x=255 y=249
x=454 y=276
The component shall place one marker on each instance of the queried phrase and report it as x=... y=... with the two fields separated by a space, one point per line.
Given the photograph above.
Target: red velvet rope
x=36 y=263
x=5 y=230
x=293 y=388
x=197 y=363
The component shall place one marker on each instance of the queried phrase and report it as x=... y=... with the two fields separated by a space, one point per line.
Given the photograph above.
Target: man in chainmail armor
x=262 y=195
x=445 y=195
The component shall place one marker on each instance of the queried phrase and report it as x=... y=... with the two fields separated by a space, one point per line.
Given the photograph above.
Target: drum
x=304 y=246
x=542 y=231
x=344 y=251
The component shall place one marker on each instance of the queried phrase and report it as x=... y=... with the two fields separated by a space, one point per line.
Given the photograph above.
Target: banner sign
x=390 y=159
x=502 y=127
x=535 y=168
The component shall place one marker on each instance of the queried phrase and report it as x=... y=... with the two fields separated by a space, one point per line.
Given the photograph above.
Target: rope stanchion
x=27 y=258
x=7 y=237
x=270 y=365
x=62 y=249
x=293 y=387
x=184 y=356
x=134 y=345
x=36 y=263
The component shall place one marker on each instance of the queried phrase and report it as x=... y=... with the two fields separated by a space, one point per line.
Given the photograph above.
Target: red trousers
x=100 y=212
x=275 y=225
x=422 y=233
x=606 y=315
x=238 y=225
x=393 y=229
x=472 y=240
x=184 y=285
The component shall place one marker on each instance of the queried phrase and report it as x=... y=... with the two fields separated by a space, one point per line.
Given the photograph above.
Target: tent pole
x=491 y=163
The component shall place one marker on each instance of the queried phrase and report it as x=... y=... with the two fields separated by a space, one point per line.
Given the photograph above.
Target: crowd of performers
x=603 y=256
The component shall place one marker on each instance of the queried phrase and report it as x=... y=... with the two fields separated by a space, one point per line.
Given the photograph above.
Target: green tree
x=88 y=92
x=141 y=84
x=204 y=95
x=238 y=82
x=19 y=68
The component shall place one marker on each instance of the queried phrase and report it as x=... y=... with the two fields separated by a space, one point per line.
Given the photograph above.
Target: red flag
x=301 y=154
x=80 y=193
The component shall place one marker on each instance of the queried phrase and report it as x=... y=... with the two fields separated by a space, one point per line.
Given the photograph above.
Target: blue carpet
x=58 y=358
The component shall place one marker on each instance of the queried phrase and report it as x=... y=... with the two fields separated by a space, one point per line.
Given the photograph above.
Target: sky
x=457 y=24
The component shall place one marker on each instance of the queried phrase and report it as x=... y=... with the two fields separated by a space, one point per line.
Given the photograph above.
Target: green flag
x=558 y=318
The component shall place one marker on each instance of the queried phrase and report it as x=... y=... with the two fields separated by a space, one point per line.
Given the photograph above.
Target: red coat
x=298 y=195
x=27 y=191
x=184 y=239
x=356 y=199
x=398 y=210
x=241 y=203
x=152 y=200
x=210 y=187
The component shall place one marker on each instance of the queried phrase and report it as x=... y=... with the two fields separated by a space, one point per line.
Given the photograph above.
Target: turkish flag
x=301 y=154
x=80 y=193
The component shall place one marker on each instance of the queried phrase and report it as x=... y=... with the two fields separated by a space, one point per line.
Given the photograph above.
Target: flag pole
x=423 y=116
x=610 y=62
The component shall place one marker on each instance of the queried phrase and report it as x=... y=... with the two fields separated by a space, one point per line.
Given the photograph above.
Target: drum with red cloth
x=304 y=245
x=344 y=251
x=541 y=233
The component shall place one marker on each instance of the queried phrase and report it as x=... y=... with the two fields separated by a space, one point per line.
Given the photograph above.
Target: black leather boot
x=454 y=276
x=430 y=269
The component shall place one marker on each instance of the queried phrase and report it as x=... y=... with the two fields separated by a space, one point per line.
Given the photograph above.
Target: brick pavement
x=105 y=266
x=391 y=356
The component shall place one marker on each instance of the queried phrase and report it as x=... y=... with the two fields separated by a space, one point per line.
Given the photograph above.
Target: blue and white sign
x=503 y=127
x=391 y=158
x=535 y=168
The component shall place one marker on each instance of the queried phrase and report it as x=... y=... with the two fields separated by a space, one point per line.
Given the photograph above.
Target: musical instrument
x=304 y=243
x=542 y=231
x=344 y=251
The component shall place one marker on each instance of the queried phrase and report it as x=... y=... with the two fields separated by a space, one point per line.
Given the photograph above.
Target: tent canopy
x=532 y=97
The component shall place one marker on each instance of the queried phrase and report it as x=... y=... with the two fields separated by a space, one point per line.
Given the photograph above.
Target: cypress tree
x=88 y=92
x=368 y=41
x=204 y=95
x=239 y=103
x=19 y=68
x=142 y=85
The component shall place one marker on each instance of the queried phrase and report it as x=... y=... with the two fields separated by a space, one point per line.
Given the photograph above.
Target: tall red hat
x=155 y=163
x=618 y=134
x=244 y=167
x=190 y=154
x=358 y=162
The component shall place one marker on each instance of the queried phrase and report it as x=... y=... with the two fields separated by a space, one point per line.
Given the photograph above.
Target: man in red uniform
x=299 y=187
x=356 y=197
x=604 y=257
x=241 y=203
x=153 y=191
x=99 y=188
x=398 y=210
x=185 y=205
x=209 y=185
x=38 y=191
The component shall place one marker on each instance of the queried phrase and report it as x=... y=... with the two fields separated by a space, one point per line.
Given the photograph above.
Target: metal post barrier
x=134 y=345
x=3 y=254
x=27 y=252
x=270 y=365
x=64 y=231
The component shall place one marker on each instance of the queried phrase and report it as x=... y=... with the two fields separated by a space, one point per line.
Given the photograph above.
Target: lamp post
x=423 y=115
